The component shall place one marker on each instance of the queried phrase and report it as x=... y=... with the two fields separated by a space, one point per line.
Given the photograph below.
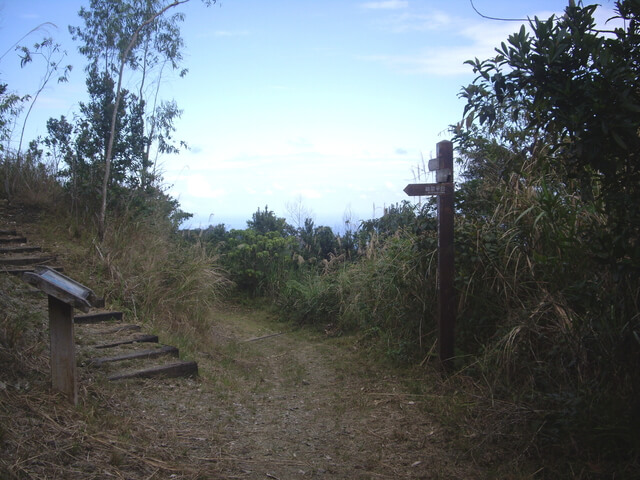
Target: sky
x=326 y=107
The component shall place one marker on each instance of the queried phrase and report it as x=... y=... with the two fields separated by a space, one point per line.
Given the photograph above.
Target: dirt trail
x=294 y=405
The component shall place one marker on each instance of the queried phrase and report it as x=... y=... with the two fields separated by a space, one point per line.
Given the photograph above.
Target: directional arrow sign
x=420 y=189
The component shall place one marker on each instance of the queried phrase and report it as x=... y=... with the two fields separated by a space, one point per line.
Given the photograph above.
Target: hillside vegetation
x=547 y=247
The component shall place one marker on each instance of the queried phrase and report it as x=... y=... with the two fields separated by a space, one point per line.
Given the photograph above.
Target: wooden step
x=11 y=233
x=13 y=270
x=97 y=317
x=21 y=249
x=24 y=261
x=137 y=339
x=178 y=369
x=13 y=239
x=140 y=354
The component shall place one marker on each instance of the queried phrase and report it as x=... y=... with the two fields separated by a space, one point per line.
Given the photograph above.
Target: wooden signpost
x=64 y=294
x=442 y=165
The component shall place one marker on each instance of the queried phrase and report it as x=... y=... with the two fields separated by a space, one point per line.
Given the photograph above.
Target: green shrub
x=258 y=263
x=387 y=296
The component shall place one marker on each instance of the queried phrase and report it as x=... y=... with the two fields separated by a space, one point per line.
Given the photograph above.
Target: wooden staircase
x=17 y=256
x=108 y=344
x=105 y=343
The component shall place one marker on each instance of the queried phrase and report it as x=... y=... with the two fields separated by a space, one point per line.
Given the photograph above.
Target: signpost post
x=443 y=189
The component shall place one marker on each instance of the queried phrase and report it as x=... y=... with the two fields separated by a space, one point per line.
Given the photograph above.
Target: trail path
x=294 y=405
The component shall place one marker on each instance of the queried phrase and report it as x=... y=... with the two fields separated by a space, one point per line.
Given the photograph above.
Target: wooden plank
x=21 y=249
x=150 y=353
x=8 y=232
x=444 y=150
x=444 y=157
x=178 y=369
x=13 y=239
x=137 y=339
x=97 y=317
x=25 y=260
x=23 y=270
x=443 y=188
x=444 y=175
x=63 y=363
x=446 y=275
x=435 y=164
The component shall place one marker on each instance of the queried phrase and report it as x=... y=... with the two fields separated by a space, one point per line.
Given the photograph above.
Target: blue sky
x=325 y=105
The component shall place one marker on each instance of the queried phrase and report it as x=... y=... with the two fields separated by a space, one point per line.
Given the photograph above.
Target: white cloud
x=476 y=39
x=306 y=193
x=418 y=22
x=386 y=5
x=431 y=61
x=199 y=187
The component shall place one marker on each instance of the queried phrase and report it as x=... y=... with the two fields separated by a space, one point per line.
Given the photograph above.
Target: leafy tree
x=575 y=90
x=325 y=242
x=59 y=142
x=306 y=234
x=547 y=240
x=130 y=36
x=52 y=58
x=259 y=262
x=396 y=217
x=9 y=105
x=266 y=221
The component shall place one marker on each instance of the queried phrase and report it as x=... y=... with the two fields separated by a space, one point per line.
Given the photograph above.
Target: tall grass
x=147 y=269
x=548 y=321
x=27 y=181
x=388 y=296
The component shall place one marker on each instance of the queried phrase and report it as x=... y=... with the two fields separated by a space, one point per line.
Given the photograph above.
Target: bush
x=258 y=263
x=387 y=296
